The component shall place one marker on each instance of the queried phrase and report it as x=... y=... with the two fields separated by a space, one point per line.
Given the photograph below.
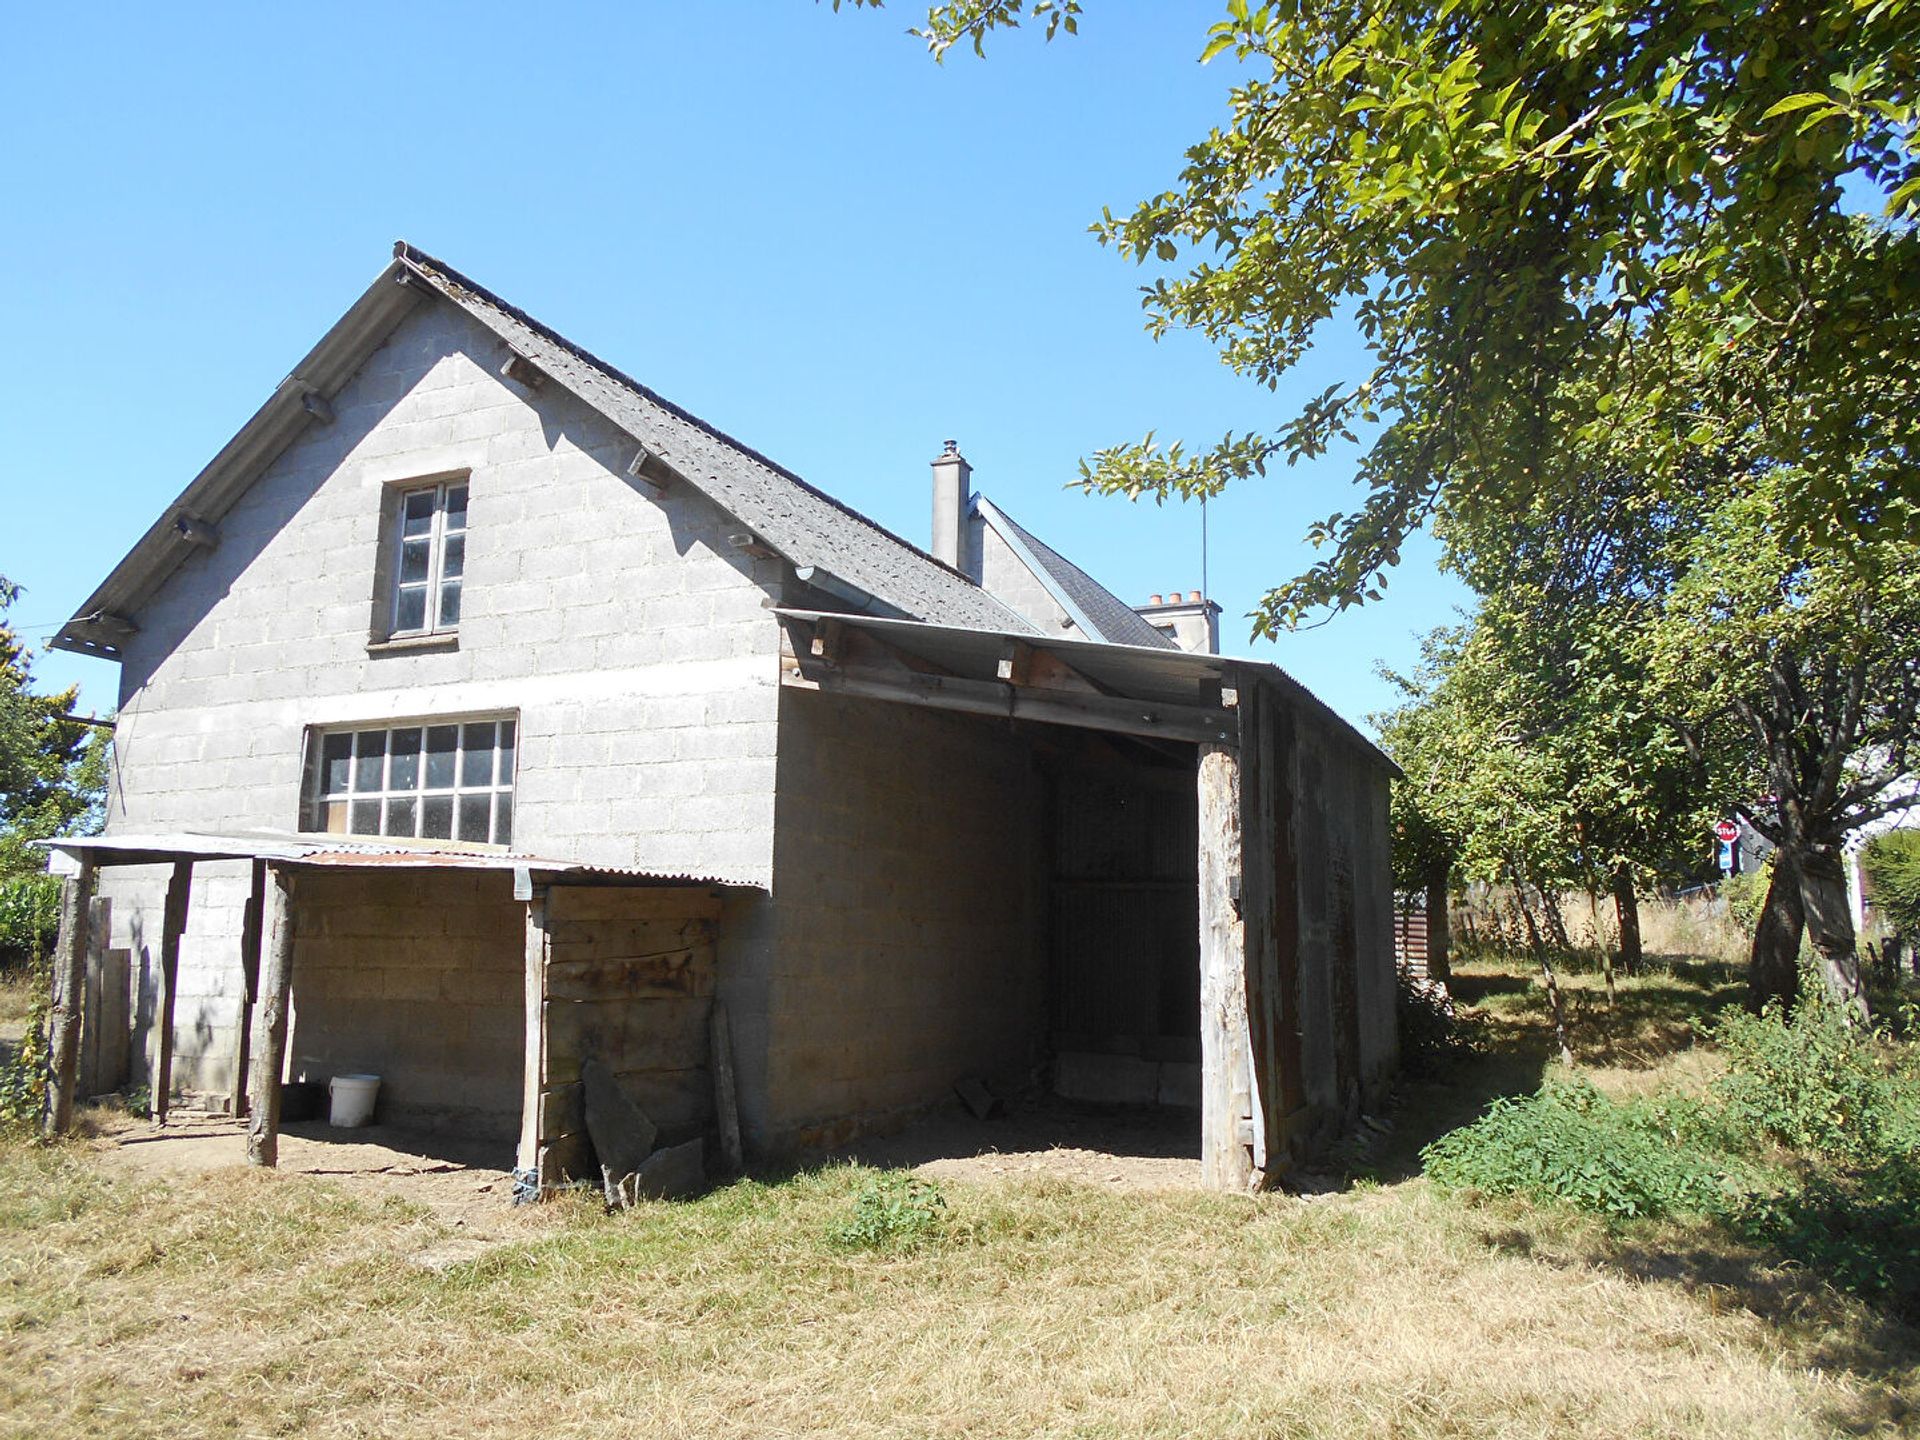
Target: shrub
x=1892 y=863
x=891 y=1211
x=1812 y=1082
x=29 y=916
x=1568 y=1143
x=1746 y=896
x=1433 y=1036
x=1861 y=1229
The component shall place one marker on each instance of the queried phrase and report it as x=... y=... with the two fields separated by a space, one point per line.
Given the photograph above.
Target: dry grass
x=16 y=1002
x=249 y=1304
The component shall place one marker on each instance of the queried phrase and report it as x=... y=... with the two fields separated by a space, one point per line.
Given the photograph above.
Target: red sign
x=1725 y=830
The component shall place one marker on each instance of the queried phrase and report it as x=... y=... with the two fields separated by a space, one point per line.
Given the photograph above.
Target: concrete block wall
x=417 y=978
x=909 y=900
x=625 y=632
x=1005 y=576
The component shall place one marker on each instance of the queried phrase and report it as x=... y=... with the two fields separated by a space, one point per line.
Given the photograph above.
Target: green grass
x=237 y=1303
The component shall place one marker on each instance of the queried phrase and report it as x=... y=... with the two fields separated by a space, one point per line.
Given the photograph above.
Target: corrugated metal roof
x=341 y=851
x=1094 y=608
x=1167 y=675
x=806 y=525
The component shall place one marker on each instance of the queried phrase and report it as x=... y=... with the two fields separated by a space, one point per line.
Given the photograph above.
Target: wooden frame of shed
x=598 y=946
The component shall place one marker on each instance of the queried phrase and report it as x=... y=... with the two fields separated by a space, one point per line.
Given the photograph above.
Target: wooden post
x=173 y=922
x=250 y=927
x=270 y=1053
x=1226 y=1082
x=68 y=984
x=533 y=1062
x=726 y=1103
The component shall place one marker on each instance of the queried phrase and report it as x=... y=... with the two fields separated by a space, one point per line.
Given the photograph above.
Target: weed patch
x=891 y=1210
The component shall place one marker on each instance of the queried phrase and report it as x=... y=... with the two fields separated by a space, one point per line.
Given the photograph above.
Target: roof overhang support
x=857 y=662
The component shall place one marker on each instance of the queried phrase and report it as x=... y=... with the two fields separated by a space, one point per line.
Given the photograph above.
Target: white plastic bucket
x=352 y=1099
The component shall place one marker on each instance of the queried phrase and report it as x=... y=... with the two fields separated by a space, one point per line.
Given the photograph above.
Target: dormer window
x=432 y=557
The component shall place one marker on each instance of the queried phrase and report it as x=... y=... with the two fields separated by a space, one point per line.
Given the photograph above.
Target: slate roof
x=810 y=528
x=1099 y=612
x=806 y=525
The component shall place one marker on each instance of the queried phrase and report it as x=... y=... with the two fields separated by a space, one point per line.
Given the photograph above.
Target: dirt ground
x=1117 y=1149
x=464 y=1183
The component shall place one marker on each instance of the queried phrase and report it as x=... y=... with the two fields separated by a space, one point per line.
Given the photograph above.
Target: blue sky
x=790 y=221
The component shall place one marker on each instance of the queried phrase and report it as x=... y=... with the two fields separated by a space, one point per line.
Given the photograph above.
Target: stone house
x=535 y=719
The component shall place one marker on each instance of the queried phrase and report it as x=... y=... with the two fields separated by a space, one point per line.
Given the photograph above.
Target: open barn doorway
x=1123 y=958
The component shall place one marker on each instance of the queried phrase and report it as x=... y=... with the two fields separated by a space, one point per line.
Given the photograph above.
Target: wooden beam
x=195 y=531
x=522 y=371
x=1016 y=663
x=649 y=472
x=250 y=928
x=173 y=922
x=270 y=1021
x=829 y=644
x=534 y=1057
x=990 y=697
x=69 y=985
x=1227 y=1101
x=726 y=1103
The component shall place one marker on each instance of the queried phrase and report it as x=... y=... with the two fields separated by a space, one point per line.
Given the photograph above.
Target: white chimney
x=952 y=493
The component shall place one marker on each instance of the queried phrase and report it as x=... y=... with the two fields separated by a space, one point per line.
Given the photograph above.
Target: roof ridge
x=440 y=270
x=1061 y=592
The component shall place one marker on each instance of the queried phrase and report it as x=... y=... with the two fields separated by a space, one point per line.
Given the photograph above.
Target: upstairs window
x=422 y=782
x=432 y=540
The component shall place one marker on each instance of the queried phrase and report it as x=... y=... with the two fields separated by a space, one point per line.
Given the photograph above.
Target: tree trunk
x=1439 y=941
x=1829 y=914
x=1556 y=922
x=1555 y=1001
x=1626 y=906
x=1774 y=971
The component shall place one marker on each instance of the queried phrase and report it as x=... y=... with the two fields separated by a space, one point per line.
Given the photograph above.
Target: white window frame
x=432 y=617
x=415 y=801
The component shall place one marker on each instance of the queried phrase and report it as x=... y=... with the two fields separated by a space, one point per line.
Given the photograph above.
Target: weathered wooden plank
x=568 y=1157
x=676 y=1100
x=668 y=1033
x=68 y=996
x=270 y=1026
x=173 y=923
x=616 y=902
x=726 y=1105
x=531 y=1152
x=627 y=939
x=1226 y=1099
x=250 y=927
x=678 y=972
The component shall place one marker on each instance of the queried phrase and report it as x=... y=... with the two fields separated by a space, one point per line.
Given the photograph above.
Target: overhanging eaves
x=102 y=625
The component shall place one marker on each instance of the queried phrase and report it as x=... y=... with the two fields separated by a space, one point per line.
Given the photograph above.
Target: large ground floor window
x=448 y=781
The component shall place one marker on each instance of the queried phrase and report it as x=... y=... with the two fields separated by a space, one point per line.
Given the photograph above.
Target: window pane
x=401 y=816
x=505 y=775
x=454 y=563
x=476 y=758
x=436 y=814
x=403 y=771
x=336 y=759
x=365 y=818
x=413 y=561
x=503 y=818
x=442 y=740
x=417 y=513
x=410 y=613
x=450 y=604
x=370 y=761
x=456 y=507
x=473 y=817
